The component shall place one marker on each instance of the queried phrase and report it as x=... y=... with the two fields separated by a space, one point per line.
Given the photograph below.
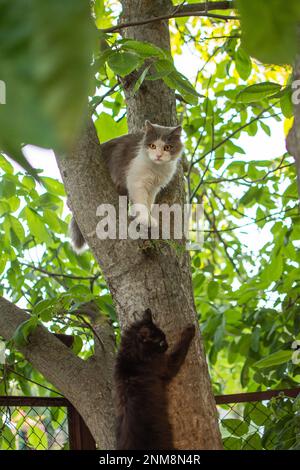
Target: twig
x=66 y=276
x=232 y=209
x=90 y=326
x=238 y=227
x=102 y=98
x=199 y=9
x=33 y=381
x=202 y=132
x=226 y=140
x=225 y=245
x=243 y=177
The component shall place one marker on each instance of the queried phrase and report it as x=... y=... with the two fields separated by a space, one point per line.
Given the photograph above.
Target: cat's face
x=152 y=339
x=162 y=143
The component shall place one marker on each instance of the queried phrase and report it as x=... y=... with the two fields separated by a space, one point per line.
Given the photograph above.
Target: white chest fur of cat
x=152 y=169
x=145 y=178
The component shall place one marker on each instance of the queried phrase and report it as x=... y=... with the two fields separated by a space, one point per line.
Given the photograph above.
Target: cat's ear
x=176 y=131
x=148 y=315
x=148 y=126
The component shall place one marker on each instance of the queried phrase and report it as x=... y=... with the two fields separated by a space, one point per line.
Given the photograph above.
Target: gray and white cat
x=140 y=165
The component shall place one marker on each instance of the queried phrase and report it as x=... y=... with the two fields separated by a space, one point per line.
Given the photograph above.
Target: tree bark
x=141 y=276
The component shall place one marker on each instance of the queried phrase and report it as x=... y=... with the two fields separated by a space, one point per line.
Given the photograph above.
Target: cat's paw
x=146 y=221
x=153 y=222
x=189 y=332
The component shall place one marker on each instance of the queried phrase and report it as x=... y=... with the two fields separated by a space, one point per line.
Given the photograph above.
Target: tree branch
x=86 y=384
x=238 y=227
x=44 y=350
x=212 y=222
x=66 y=276
x=207 y=6
x=196 y=9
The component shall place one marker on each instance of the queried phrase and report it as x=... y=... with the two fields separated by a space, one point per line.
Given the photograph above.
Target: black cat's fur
x=143 y=371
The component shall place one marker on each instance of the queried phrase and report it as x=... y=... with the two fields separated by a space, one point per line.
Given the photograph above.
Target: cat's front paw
x=153 y=222
x=143 y=220
x=188 y=333
x=146 y=221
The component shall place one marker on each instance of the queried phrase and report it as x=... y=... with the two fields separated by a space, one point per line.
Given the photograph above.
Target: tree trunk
x=138 y=275
x=293 y=139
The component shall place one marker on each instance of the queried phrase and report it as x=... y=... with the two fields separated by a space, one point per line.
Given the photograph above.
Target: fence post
x=80 y=437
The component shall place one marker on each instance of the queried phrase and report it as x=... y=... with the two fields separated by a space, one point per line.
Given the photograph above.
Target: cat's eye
x=167 y=148
x=152 y=146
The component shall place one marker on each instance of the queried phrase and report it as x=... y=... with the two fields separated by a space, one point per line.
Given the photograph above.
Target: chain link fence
x=248 y=421
x=36 y=428
x=40 y=423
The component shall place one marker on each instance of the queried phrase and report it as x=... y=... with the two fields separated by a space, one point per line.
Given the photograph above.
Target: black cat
x=143 y=370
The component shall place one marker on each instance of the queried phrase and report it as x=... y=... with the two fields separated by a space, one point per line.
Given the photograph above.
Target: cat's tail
x=78 y=241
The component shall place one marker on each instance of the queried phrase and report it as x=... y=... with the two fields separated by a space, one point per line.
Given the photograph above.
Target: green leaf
x=17 y=228
x=107 y=128
x=232 y=148
x=28 y=182
x=265 y=128
x=255 y=337
x=243 y=63
x=140 y=80
x=218 y=337
x=44 y=309
x=37 y=438
x=286 y=103
x=251 y=196
x=252 y=442
x=5 y=165
x=273 y=271
x=36 y=226
x=258 y=413
x=123 y=63
x=3 y=261
x=258 y=92
x=7 y=188
x=20 y=336
x=53 y=186
x=232 y=443
x=143 y=49
x=45 y=55
x=177 y=81
x=275 y=359
x=77 y=344
x=54 y=222
x=269 y=29
x=80 y=292
x=7 y=439
x=198 y=280
x=163 y=68
x=99 y=8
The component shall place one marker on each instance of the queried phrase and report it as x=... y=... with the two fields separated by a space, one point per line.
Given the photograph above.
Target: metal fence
x=42 y=423
x=248 y=421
